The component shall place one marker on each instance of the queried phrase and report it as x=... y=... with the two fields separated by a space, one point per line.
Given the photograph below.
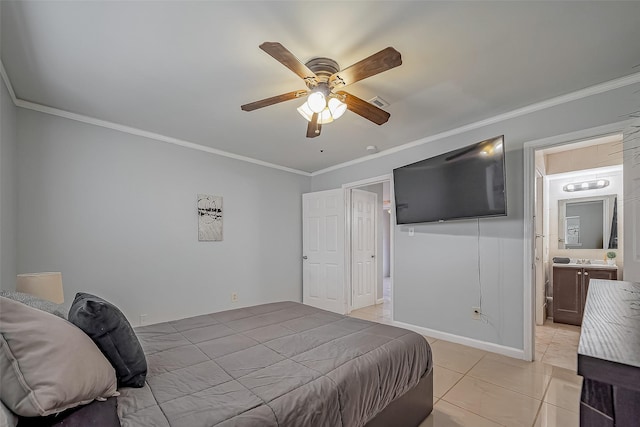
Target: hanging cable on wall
x=479 y=275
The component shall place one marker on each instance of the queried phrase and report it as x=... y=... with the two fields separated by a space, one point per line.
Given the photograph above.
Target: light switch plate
x=411 y=232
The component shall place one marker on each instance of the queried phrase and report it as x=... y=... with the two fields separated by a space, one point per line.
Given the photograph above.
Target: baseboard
x=470 y=342
x=379 y=301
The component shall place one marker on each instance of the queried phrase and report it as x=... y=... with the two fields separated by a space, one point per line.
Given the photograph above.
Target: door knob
x=373 y=256
x=304 y=257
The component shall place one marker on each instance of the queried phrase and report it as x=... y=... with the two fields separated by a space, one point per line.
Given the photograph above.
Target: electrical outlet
x=143 y=319
x=476 y=313
x=234 y=297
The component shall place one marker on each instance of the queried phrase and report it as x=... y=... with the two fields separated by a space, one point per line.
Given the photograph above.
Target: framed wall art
x=209 y=218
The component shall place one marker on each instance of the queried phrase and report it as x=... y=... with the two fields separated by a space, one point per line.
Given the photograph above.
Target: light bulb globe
x=325 y=117
x=337 y=108
x=316 y=102
x=305 y=111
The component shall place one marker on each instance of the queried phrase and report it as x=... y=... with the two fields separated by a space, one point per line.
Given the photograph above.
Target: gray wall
x=377 y=188
x=116 y=214
x=436 y=271
x=8 y=191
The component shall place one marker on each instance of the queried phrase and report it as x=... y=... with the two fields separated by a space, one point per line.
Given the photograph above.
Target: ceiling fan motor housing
x=323 y=67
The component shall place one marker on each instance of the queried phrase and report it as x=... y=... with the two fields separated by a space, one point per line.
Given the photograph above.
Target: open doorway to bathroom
x=578 y=221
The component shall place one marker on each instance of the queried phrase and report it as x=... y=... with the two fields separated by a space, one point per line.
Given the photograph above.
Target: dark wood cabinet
x=609 y=356
x=570 y=286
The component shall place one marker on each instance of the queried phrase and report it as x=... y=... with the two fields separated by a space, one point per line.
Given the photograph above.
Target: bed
x=279 y=364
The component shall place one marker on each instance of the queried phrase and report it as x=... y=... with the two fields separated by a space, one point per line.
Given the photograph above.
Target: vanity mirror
x=588 y=223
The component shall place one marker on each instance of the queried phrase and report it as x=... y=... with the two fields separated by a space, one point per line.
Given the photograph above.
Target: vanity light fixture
x=586 y=185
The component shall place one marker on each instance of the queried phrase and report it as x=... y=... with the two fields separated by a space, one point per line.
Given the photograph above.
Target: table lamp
x=42 y=285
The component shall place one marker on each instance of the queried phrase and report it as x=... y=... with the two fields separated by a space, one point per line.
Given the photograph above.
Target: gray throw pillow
x=59 y=310
x=47 y=365
x=114 y=336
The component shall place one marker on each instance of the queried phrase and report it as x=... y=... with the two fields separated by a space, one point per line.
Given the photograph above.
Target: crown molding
x=149 y=135
x=7 y=83
x=573 y=96
x=134 y=131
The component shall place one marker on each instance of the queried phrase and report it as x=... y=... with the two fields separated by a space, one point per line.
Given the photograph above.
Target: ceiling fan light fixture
x=305 y=111
x=325 y=117
x=317 y=101
x=337 y=108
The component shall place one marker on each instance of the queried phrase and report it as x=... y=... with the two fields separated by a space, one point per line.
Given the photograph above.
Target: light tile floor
x=557 y=344
x=475 y=388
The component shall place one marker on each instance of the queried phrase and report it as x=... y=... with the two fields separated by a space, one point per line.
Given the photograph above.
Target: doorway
x=366 y=257
x=553 y=167
x=327 y=258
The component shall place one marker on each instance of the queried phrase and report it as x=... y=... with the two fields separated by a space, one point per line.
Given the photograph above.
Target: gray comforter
x=281 y=364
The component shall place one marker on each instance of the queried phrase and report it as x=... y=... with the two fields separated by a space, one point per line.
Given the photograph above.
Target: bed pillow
x=112 y=333
x=59 y=310
x=47 y=365
x=7 y=418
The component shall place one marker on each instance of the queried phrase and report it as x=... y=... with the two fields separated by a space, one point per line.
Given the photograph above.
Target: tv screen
x=465 y=183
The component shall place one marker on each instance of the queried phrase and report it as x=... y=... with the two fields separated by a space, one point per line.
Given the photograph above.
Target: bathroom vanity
x=570 y=286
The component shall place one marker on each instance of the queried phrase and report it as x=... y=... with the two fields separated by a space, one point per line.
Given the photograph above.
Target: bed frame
x=411 y=408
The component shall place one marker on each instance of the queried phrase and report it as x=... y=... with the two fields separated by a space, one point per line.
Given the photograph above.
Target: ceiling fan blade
x=314 y=128
x=364 y=109
x=273 y=100
x=384 y=60
x=286 y=58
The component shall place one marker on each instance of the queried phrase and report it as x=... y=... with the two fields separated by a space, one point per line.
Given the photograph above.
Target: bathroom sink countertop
x=587 y=265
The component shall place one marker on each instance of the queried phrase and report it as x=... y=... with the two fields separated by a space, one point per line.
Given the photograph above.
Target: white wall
x=8 y=191
x=116 y=214
x=435 y=275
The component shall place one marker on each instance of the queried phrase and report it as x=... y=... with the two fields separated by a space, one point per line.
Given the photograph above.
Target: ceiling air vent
x=379 y=102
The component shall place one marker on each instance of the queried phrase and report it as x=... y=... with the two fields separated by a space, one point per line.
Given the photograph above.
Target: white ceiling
x=182 y=69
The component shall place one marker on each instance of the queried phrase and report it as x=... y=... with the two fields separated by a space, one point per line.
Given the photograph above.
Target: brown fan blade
x=273 y=100
x=384 y=60
x=314 y=128
x=286 y=58
x=364 y=109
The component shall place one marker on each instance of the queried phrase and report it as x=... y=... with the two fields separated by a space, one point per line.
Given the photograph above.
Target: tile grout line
x=540 y=401
x=456 y=383
x=537 y=413
x=496 y=385
x=546 y=389
x=471 y=412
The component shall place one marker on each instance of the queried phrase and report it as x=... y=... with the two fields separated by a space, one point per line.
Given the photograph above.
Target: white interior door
x=363 y=248
x=323 y=250
x=631 y=171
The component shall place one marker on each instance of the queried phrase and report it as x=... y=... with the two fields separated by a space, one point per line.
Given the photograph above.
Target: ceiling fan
x=323 y=78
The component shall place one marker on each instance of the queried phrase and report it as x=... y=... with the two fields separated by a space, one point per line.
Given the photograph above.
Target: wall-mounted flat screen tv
x=464 y=183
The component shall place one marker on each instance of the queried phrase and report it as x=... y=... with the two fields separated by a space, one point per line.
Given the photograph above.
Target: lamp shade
x=42 y=285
